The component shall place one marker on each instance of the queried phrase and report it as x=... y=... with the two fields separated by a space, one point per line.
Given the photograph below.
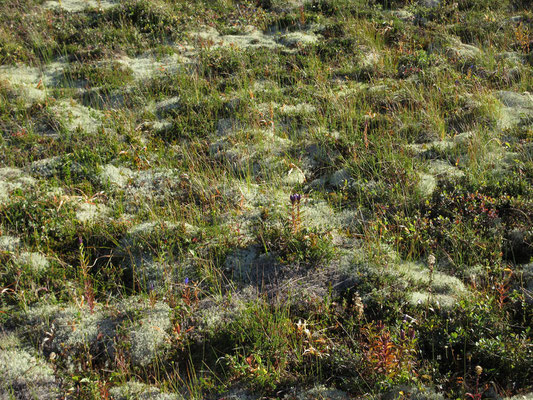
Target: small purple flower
x=186 y=281
x=295 y=198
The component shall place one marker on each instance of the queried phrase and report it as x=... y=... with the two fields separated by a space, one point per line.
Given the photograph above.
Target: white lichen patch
x=443 y=169
x=149 y=334
x=77 y=328
x=527 y=396
x=217 y=312
x=80 y=5
x=37 y=262
x=426 y=184
x=115 y=176
x=153 y=185
x=9 y=341
x=252 y=38
x=69 y=330
x=166 y=106
x=12 y=179
x=251 y=266
x=145 y=187
x=461 y=51
x=147 y=66
x=438 y=145
x=297 y=39
x=371 y=59
x=89 y=212
x=140 y=391
x=34 y=81
x=318 y=215
x=23 y=376
x=9 y=243
x=262 y=154
x=142 y=230
x=516 y=110
x=75 y=116
x=297 y=109
x=294 y=177
x=441 y=283
x=322 y=392
x=46 y=167
x=288 y=110
x=425 y=298
x=340 y=179
x=227 y=127
x=10 y=174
